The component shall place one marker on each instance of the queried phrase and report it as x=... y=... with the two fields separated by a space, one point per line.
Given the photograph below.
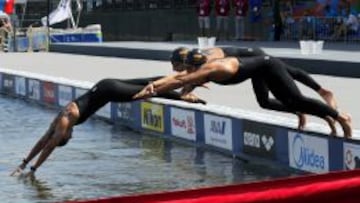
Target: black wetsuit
x=296 y=73
x=269 y=73
x=113 y=90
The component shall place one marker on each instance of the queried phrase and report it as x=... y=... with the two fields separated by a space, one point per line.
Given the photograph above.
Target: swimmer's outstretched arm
x=36 y=149
x=176 y=81
x=60 y=131
x=45 y=145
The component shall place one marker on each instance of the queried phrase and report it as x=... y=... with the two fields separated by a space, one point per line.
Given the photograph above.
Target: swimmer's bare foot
x=331 y=123
x=345 y=122
x=328 y=96
x=302 y=121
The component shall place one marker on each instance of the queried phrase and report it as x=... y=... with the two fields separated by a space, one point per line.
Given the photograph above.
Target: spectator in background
x=256 y=18
x=287 y=19
x=240 y=8
x=203 y=10
x=307 y=25
x=5 y=30
x=349 y=26
x=6 y=25
x=222 y=8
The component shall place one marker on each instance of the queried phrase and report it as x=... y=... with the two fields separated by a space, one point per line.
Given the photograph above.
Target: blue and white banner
x=20 y=86
x=8 y=84
x=351 y=156
x=308 y=153
x=124 y=112
x=65 y=95
x=79 y=92
x=34 y=89
x=183 y=123
x=218 y=131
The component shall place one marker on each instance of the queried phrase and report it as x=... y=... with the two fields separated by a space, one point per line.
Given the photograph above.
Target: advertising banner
x=65 y=95
x=79 y=92
x=8 y=84
x=124 y=112
x=49 y=95
x=259 y=139
x=218 y=131
x=308 y=153
x=34 y=89
x=20 y=86
x=152 y=116
x=351 y=156
x=183 y=123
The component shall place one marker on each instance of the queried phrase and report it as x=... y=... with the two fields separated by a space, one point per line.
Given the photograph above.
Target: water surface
x=102 y=160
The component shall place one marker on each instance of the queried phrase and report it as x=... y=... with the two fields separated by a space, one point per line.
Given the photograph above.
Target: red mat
x=330 y=188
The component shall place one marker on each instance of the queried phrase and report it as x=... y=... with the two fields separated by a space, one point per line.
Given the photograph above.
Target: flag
x=9 y=6
x=61 y=13
x=2 y=4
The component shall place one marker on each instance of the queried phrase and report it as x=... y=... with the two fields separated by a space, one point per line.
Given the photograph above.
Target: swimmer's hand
x=192 y=98
x=19 y=170
x=147 y=92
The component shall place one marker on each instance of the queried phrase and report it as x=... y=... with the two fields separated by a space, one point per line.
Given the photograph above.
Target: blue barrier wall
x=194 y=124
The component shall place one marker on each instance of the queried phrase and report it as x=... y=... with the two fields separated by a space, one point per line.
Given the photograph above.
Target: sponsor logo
x=34 y=89
x=308 y=153
x=218 y=131
x=259 y=139
x=65 y=95
x=49 y=92
x=218 y=127
x=124 y=111
x=8 y=84
x=351 y=156
x=152 y=116
x=268 y=142
x=187 y=124
x=183 y=123
x=251 y=139
x=20 y=86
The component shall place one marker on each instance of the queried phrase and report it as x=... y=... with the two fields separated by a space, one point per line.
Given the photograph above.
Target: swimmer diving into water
x=178 y=60
x=267 y=73
x=80 y=109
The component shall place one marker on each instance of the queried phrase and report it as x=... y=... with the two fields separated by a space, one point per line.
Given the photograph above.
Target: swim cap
x=179 y=55
x=195 y=58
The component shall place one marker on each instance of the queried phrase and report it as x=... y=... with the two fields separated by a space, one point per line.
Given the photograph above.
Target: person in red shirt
x=222 y=8
x=240 y=8
x=203 y=10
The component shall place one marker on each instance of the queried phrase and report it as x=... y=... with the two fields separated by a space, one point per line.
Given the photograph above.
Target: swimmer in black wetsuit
x=178 y=59
x=79 y=110
x=272 y=74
